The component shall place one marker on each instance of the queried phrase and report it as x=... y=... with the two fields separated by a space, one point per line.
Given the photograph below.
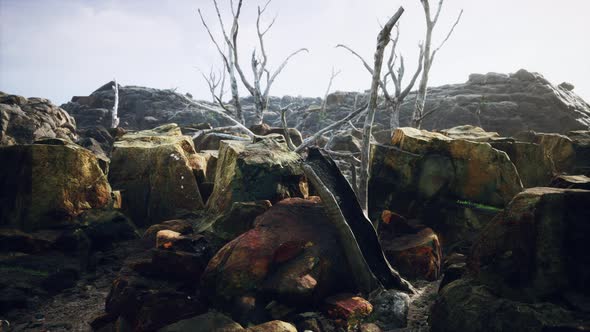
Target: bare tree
x=429 y=55
x=115 y=112
x=259 y=64
x=383 y=39
x=228 y=58
x=325 y=101
x=395 y=72
x=214 y=81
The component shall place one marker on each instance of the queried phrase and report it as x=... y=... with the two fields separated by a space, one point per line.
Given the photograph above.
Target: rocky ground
x=159 y=226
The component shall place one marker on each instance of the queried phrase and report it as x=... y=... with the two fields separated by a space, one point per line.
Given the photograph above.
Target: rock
x=571 y=182
x=211 y=157
x=149 y=304
x=534 y=167
x=246 y=172
x=531 y=250
x=291 y=255
x=239 y=219
x=523 y=268
x=313 y=321
x=470 y=133
x=369 y=327
x=23 y=121
x=390 y=309
x=14 y=240
x=212 y=141
x=345 y=143
x=569 y=154
x=140 y=108
x=429 y=176
x=264 y=129
x=349 y=309
x=36 y=187
x=183 y=227
x=155 y=170
x=465 y=306
x=415 y=256
x=273 y=326
x=211 y=321
x=105 y=227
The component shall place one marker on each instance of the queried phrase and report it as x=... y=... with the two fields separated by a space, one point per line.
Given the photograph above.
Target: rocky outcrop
x=527 y=270
x=139 y=108
x=429 y=176
x=246 y=172
x=49 y=184
x=156 y=173
x=23 y=121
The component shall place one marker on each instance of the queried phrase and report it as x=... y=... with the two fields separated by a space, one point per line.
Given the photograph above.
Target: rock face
x=266 y=170
x=139 y=108
x=527 y=270
x=291 y=255
x=23 y=121
x=506 y=104
x=424 y=172
x=156 y=172
x=49 y=184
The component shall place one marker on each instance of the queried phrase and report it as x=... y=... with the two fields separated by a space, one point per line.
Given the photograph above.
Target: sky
x=57 y=49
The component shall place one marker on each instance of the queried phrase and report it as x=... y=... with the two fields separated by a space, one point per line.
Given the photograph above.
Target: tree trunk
x=394 y=121
x=382 y=41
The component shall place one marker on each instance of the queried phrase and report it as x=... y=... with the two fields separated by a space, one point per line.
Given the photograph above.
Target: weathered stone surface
x=239 y=219
x=181 y=226
x=390 y=309
x=349 y=309
x=155 y=170
x=345 y=142
x=23 y=121
x=265 y=129
x=467 y=306
x=416 y=255
x=291 y=254
x=571 y=182
x=523 y=269
x=211 y=321
x=45 y=185
x=533 y=249
x=105 y=227
x=559 y=148
x=470 y=133
x=247 y=172
x=273 y=326
x=429 y=176
x=535 y=168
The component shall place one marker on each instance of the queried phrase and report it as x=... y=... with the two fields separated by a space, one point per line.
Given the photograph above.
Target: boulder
x=344 y=143
x=47 y=185
x=526 y=271
x=273 y=326
x=264 y=129
x=246 y=172
x=348 y=309
x=571 y=182
x=239 y=219
x=532 y=250
x=211 y=321
x=156 y=173
x=390 y=309
x=470 y=133
x=453 y=185
x=23 y=121
x=183 y=227
x=415 y=256
x=291 y=255
x=467 y=306
x=535 y=168
x=559 y=148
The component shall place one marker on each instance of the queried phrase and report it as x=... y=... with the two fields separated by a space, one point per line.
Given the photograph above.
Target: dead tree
x=228 y=58
x=428 y=57
x=259 y=64
x=214 y=82
x=383 y=39
x=325 y=101
x=393 y=101
x=115 y=111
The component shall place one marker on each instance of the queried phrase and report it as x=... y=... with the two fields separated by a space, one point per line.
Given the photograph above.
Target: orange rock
x=416 y=255
x=349 y=309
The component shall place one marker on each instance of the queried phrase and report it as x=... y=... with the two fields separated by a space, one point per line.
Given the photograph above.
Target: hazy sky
x=61 y=48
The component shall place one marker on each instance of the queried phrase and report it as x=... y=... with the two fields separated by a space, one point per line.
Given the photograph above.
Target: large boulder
x=451 y=184
x=534 y=248
x=292 y=255
x=23 y=121
x=528 y=269
x=156 y=173
x=246 y=172
x=50 y=184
